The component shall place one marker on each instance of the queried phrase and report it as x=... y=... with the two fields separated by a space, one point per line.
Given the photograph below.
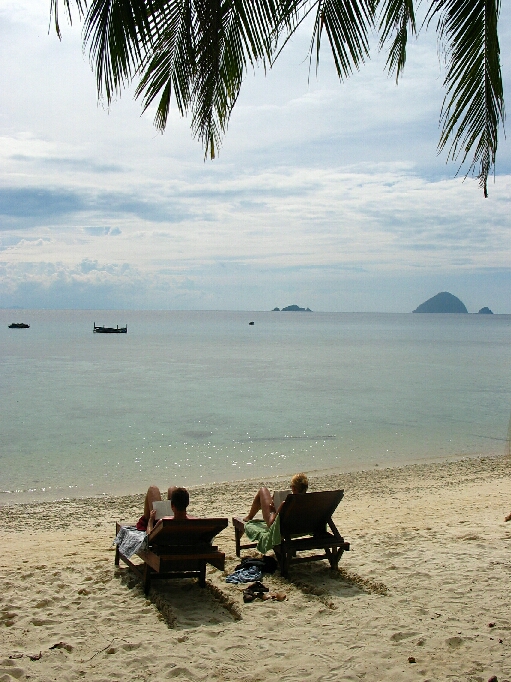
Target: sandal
x=275 y=596
x=258 y=587
x=248 y=596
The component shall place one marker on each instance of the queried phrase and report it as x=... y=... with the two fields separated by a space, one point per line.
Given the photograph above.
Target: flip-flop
x=248 y=596
x=274 y=596
x=258 y=587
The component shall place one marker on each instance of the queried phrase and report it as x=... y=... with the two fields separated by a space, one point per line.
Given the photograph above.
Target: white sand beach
x=424 y=593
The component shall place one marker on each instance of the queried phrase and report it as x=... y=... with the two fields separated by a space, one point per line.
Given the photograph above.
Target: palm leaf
x=473 y=107
x=346 y=23
x=199 y=51
x=119 y=33
x=201 y=54
x=81 y=6
x=397 y=18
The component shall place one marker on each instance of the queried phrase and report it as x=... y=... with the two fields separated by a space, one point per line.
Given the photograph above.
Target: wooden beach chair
x=305 y=524
x=178 y=549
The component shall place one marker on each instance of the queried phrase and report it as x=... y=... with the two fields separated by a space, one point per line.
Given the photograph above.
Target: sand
x=424 y=594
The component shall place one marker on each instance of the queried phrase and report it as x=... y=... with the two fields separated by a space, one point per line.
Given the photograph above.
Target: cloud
x=80 y=165
x=36 y=202
x=102 y=231
x=27 y=206
x=326 y=194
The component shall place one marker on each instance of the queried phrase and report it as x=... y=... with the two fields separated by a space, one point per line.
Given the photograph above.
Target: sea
x=193 y=397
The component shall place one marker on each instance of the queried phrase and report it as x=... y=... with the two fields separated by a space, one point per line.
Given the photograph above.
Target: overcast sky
x=327 y=195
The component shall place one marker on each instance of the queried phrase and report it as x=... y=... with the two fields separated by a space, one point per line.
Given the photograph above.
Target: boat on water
x=110 y=330
x=19 y=325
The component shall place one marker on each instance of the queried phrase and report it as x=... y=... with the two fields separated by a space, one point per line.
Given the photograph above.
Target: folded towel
x=130 y=540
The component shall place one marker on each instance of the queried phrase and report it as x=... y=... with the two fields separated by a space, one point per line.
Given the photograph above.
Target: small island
x=444 y=302
x=293 y=308
x=485 y=311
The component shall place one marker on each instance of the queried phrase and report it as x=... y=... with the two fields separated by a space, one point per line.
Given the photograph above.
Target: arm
x=150 y=523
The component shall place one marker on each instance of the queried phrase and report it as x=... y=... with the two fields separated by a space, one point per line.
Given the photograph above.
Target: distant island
x=444 y=302
x=292 y=308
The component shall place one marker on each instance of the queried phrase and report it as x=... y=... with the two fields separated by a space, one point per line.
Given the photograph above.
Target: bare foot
x=247 y=518
x=508 y=518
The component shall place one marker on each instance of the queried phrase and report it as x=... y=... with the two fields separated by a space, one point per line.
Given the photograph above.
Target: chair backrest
x=173 y=533
x=308 y=512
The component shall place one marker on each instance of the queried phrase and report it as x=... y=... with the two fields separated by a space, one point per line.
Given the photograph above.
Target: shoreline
x=423 y=594
x=29 y=498
x=208 y=498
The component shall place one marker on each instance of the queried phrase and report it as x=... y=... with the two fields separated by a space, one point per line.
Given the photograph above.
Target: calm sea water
x=195 y=397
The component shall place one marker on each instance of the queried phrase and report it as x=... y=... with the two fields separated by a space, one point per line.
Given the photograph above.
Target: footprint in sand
x=9 y=670
x=400 y=636
x=43 y=621
x=7 y=617
x=131 y=646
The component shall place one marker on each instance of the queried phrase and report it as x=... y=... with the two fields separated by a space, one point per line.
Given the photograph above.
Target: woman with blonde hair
x=263 y=501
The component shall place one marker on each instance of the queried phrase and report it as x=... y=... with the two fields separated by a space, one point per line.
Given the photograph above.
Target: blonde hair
x=300 y=482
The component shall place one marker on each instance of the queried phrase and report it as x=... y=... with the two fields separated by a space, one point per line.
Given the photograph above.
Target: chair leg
x=147 y=578
x=116 y=555
x=334 y=556
x=237 y=535
x=284 y=558
x=202 y=576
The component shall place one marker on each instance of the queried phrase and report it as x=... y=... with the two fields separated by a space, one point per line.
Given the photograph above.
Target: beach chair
x=178 y=549
x=305 y=524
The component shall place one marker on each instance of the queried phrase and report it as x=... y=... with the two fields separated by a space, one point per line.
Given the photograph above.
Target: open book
x=279 y=496
x=162 y=509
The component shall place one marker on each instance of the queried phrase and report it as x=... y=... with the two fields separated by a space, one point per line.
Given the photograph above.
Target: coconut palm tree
x=199 y=51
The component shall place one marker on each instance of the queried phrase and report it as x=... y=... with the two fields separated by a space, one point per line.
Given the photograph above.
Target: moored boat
x=19 y=325
x=110 y=330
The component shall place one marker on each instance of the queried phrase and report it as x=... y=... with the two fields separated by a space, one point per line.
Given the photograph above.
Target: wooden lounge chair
x=178 y=549
x=303 y=526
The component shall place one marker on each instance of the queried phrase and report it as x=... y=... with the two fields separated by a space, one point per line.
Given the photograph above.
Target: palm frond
x=347 y=23
x=201 y=55
x=170 y=65
x=473 y=107
x=81 y=6
x=119 y=33
x=397 y=19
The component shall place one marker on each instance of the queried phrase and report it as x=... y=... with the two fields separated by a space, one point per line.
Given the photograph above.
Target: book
x=279 y=496
x=162 y=509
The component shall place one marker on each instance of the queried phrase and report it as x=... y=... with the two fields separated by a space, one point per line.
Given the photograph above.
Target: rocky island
x=292 y=308
x=485 y=311
x=444 y=302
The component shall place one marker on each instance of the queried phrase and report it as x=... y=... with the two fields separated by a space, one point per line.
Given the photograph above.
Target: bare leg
x=263 y=501
x=153 y=495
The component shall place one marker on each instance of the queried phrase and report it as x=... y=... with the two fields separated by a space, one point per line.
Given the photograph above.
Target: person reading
x=263 y=501
x=267 y=533
x=130 y=539
x=179 y=501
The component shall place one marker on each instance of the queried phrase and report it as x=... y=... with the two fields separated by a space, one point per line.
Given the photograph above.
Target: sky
x=326 y=195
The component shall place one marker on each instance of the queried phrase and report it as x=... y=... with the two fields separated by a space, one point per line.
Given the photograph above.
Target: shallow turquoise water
x=196 y=397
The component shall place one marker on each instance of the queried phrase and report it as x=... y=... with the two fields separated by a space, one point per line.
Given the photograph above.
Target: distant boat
x=19 y=325
x=110 y=330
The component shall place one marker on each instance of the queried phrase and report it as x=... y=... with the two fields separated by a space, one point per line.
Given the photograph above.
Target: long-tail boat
x=110 y=330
